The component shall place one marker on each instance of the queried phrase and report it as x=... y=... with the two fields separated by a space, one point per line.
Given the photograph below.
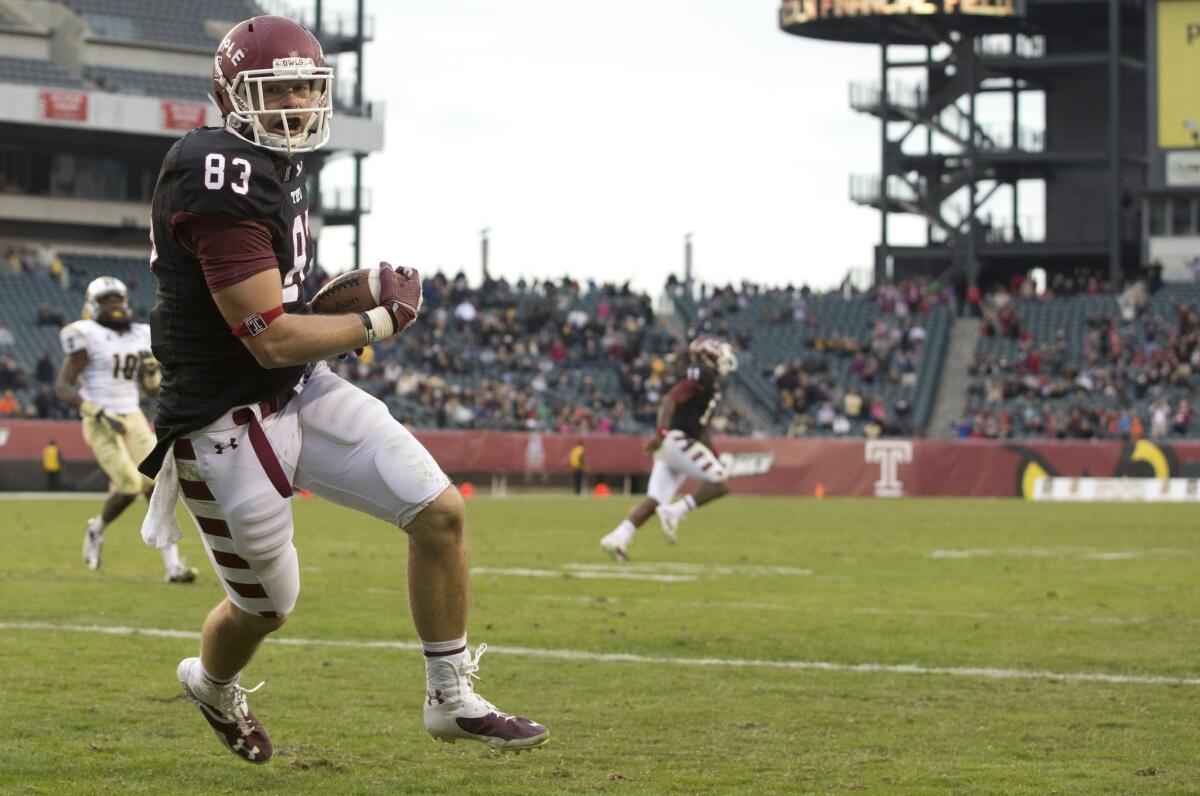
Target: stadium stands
x=151 y=84
x=542 y=356
x=546 y=356
x=38 y=73
x=153 y=20
x=829 y=364
x=1093 y=365
x=564 y=356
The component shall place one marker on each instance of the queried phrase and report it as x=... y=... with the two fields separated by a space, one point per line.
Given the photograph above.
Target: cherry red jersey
x=696 y=396
x=223 y=210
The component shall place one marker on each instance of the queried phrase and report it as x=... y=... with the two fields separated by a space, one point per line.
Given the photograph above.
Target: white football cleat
x=226 y=711
x=615 y=547
x=454 y=711
x=181 y=573
x=670 y=523
x=93 y=541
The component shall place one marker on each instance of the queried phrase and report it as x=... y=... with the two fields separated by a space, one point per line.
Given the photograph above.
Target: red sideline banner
x=769 y=466
x=180 y=115
x=63 y=104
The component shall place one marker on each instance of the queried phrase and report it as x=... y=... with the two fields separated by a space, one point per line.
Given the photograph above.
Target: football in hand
x=353 y=291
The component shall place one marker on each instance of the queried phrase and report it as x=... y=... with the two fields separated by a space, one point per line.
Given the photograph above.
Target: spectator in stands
x=902 y=410
x=59 y=273
x=46 y=404
x=974 y=299
x=1160 y=418
x=50 y=316
x=852 y=404
x=44 y=370
x=9 y=405
x=7 y=339
x=1183 y=417
x=11 y=375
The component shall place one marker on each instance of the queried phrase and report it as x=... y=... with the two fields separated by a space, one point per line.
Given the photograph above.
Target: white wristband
x=381 y=323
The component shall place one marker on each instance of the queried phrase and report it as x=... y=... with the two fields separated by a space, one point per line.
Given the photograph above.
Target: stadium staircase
x=950 y=402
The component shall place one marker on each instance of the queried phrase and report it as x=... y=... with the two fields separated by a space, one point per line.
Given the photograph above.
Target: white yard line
x=690 y=569
x=580 y=655
x=613 y=574
x=590 y=601
x=1061 y=552
x=56 y=496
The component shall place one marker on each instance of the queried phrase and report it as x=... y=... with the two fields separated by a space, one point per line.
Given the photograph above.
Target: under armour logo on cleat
x=429 y=698
x=250 y=753
x=222 y=448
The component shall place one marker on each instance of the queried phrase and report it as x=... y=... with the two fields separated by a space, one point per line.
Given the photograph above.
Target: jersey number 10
x=124 y=370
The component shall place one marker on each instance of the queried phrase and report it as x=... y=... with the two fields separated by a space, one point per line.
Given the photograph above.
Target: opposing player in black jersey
x=248 y=410
x=682 y=447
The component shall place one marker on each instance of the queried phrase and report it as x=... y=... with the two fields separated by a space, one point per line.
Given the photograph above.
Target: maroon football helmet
x=714 y=353
x=266 y=50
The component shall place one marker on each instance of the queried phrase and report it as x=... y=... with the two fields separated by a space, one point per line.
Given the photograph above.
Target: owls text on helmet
x=114 y=315
x=714 y=353
x=257 y=63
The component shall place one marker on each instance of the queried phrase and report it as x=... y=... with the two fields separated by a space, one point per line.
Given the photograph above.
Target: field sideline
x=784 y=646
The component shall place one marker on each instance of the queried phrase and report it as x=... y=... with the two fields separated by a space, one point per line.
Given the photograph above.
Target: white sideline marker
x=580 y=655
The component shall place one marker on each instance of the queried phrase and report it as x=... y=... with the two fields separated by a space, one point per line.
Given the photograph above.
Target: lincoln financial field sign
x=798 y=12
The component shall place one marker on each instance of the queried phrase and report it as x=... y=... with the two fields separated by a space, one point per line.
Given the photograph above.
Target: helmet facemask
x=250 y=119
x=727 y=361
x=714 y=353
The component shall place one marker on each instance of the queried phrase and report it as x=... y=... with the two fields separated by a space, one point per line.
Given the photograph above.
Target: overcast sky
x=589 y=137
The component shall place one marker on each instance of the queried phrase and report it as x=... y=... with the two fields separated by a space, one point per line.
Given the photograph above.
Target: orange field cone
x=467 y=490
x=304 y=493
x=819 y=492
x=602 y=490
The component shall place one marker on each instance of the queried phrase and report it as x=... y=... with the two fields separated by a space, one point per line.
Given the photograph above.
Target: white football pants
x=680 y=458
x=332 y=439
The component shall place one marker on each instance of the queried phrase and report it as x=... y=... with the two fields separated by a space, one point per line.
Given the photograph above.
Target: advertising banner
x=63 y=105
x=1178 y=65
x=884 y=468
x=799 y=12
x=1118 y=490
x=1183 y=168
x=178 y=115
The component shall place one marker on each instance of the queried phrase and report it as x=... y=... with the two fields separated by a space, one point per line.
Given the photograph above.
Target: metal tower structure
x=980 y=100
x=339 y=38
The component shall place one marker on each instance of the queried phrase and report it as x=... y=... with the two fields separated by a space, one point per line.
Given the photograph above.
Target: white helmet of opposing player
x=99 y=288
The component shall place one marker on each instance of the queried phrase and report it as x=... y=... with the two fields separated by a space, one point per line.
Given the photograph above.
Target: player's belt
x=261 y=444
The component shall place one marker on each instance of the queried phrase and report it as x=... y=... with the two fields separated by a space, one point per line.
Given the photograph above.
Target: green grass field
x=758 y=654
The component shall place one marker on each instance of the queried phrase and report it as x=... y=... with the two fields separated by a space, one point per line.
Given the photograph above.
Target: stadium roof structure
x=95 y=92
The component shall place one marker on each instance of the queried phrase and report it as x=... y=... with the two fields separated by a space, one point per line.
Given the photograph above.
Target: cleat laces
x=233 y=703
x=468 y=671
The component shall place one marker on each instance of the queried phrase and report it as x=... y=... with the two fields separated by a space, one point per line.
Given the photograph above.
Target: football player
x=107 y=360
x=682 y=447
x=249 y=411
